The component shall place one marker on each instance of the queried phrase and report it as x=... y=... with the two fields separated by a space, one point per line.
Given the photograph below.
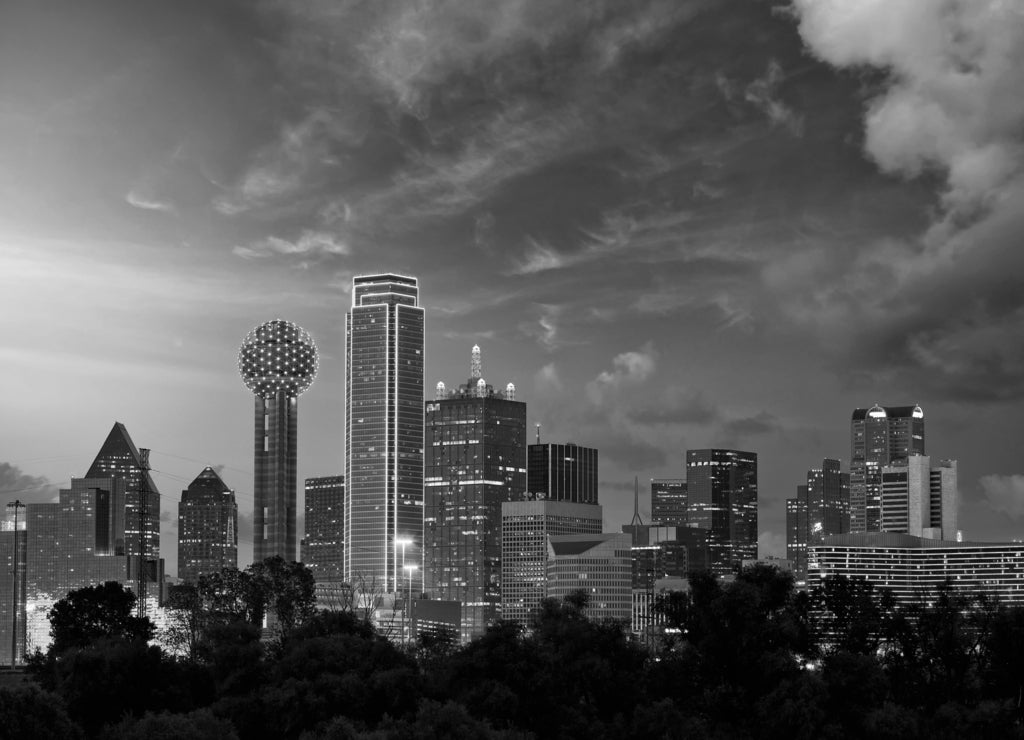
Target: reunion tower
x=278 y=362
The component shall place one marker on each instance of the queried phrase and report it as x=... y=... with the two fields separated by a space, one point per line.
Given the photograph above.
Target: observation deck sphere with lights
x=278 y=355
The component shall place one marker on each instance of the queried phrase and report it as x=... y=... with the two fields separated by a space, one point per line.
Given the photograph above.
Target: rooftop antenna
x=538 y=434
x=475 y=365
x=637 y=521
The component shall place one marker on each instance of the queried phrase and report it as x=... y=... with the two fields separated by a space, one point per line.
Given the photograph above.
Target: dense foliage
x=748 y=659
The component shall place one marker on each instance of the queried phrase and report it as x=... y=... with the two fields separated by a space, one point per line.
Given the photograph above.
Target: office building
x=919 y=499
x=598 y=565
x=383 y=433
x=821 y=508
x=323 y=547
x=277 y=362
x=879 y=436
x=475 y=460
x=119 y=458
x=912 y=568
x=721 y=490
x=77 y=542
x=525 y=529
x=668 y=502
x=207 y=527
x=562 y=472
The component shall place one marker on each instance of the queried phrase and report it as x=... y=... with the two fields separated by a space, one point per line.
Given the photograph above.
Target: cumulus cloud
x=1005 y=494
x=771 y=544
x=547 y=380
x=628 y=369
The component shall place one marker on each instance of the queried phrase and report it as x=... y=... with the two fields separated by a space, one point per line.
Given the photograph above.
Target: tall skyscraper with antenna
x=384 y=434
x=475 y=459
x=277 y=362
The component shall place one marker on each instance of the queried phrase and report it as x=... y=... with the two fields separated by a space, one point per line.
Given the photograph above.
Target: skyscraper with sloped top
x=207 y=527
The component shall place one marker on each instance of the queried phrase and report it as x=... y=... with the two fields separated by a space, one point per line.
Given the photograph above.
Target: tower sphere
x=278 y=355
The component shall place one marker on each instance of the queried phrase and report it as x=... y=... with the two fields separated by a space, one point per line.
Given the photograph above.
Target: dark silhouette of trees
x=96 y=613
x=750 y=658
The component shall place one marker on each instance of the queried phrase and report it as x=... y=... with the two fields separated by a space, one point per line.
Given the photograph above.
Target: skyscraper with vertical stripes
x=384 y=434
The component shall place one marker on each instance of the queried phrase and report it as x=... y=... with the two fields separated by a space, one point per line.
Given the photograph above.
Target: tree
x=287 y=589
x=26 y=711
x=187 y=620
x=96 y=612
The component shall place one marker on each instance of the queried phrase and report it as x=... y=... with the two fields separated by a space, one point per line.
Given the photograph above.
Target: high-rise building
x=721 y=490
x=913 y=568
x=12 y=592
x=323 y=547
x=879 y=436
x=277 y=362
x=668 y=502
x=562 y=472
x=600 y=565
x=383 y=433
x=525 y=529
x=79 y=542
x=920 y=500
x=119 y=458
x=821 y=508
x=475 y=460
x=207 y=527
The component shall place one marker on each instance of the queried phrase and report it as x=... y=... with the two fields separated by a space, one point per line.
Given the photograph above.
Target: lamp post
x=402 y=542
x=409 y=569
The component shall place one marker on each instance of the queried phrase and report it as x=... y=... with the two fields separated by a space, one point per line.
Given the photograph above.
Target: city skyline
x=682 y=226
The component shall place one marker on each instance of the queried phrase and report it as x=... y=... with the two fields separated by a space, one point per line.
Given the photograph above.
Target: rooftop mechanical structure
x=278 y=362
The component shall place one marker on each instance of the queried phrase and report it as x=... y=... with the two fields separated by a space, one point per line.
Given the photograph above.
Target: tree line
x=753 y=658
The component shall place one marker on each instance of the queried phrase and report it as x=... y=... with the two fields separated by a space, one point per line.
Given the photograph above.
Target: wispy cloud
x=1004 y=494
x=139 y=200
x=309 y=243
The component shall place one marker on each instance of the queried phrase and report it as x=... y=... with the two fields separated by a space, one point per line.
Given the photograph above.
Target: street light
x=410 y=569
x=401 y=542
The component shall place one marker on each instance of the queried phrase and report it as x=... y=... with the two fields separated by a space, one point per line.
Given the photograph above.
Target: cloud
x=628 y=369
x=309 y=243
x=676 y=405
x=736 y=430
x=1004 y=494
x=14 y=483
x=547 y=380
x=539 y=257
x=764 y=94
x=138 y=200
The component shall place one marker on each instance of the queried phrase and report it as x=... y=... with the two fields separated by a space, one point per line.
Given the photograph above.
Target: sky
x=673 y=224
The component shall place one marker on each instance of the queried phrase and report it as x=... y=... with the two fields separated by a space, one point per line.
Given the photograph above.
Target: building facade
x=323 y=547
x=475 y=460
x=668 y=502
x=525 y=529
x=207 y=527
x=821 y=508
x=919 y=499
x=598 y=565
x=12 y=592
x=879 y=436
x=278 y=363
x=383 y=433
x=721 y=490
x=562 y=472
x=913 y=568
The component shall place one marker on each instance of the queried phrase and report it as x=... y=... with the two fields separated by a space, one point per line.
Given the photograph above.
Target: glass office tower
x=384 y=434
x=721 y=490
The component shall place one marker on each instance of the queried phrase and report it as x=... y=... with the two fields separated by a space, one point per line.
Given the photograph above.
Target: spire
x=475 y=365
x=439 y=391
x=510 y=392
x=637 y=521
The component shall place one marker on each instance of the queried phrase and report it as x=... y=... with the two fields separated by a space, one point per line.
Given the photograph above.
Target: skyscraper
x=525 y=529
x=383 y=432
x=562 y=472
x=12 y=592
x=879 y=436
x=207 y=527
x=597 y=564
x=919 y=499
x=475 y=459
x=119 y=458
x=721 y=491
x=277 y=362
x=668 y=502
x=323 y=547
x=821 y=508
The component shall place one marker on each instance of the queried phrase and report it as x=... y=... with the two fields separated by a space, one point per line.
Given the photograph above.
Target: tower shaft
x=275 y=474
